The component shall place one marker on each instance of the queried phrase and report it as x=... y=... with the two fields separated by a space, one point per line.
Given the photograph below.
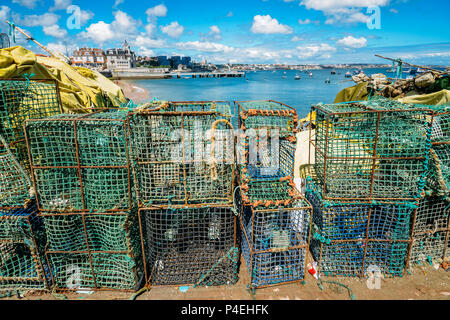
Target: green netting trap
x=15 y=185
x=21 y=100
x=95 y=251
x=350 y=238
x=191 y=246
x=438 y=177
x=275 y=242
x=22 y=241
x=183 y=153
x=431 y=231
x=373 y=150
x=81 y=163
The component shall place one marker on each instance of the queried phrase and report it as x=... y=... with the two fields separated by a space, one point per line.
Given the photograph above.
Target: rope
x=350 y=292
x=12 y=31
x=233 y=250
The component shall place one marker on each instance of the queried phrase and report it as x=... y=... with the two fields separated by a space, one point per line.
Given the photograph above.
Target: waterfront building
x=91 y=58
x=120 y=58
x=163 y=61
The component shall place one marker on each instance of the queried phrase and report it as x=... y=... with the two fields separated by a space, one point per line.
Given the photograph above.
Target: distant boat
x=327 y=81
x=348 y=75
x=284 y=77
x=310 y=74
x=333 y=72
x=297 y=77
x=357 y=71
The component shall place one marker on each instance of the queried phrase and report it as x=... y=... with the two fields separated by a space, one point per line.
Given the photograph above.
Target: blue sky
x=243 y=31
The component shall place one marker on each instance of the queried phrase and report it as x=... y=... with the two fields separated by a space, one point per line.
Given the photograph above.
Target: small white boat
x=297 y=77
x=327 y=81
x=310 y=74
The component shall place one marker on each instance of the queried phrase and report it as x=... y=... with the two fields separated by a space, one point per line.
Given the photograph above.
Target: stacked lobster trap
x=371 y=164
x=276 y=218
x=184 y=164
x=81 y=170
x=432 y=221
x=22 y=237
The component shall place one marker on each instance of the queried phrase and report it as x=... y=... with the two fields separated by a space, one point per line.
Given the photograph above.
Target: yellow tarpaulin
x=437 y=98
x=78 y=93
x=355 y=93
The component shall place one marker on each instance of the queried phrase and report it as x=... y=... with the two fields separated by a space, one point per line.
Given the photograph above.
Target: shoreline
x=133 y=92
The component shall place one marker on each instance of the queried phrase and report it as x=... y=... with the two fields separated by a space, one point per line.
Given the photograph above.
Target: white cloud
x=173 y=30
x=99 y=32
x=306 y=21
x=61 y=5
x=296 y=39
x=124 y=23
x=30 y=4
x=204 y=46
x=268 y=25
x=158 y=11
x=46 y=19
x=4 y=13
x=215 y=32
x=61 y=48
x=144 y=41
x=322 y=50
x=55 y=31
x=150 y=29
x=393 y=10
x=85 y=16
x=352 y=42
x=117 y=3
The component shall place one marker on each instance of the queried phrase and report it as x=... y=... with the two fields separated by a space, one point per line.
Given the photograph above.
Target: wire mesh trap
x=183 y=153
x=21 y=100
x=275 y=242
x=431 y=231
x=22 y=240
x=81 y=163
x=352 y=238
x=95 y=251
x=194 y=245
x=376 y=150
x=270 y=115
x=267 y=151
x=438 y=176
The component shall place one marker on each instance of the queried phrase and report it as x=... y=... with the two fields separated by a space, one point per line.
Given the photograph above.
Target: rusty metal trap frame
x=23 y=99
x=99 y=251
x=275 y=242
x=183 y=153
x=22 y=242
x=353 y=238
x=267 y=147
x=81 y=163
x=190 y=245
x=375 y=150
x=438 y=176
x=431 y=231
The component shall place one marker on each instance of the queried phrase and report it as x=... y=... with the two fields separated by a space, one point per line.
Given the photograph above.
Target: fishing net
x=22 y=239
x=98 y=251
x=270 y=115
x=81 y=163
x=352 y=238
x=275 y=242
x=267 y=152
x=15 y=185
x=191 y=246
x=21 y=100
x=183 y=153
x=373 y=150
x=431 y=231
x=438 y=177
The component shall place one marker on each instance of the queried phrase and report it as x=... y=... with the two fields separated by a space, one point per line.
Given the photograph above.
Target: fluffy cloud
x=268 y=25
x=158 y=11
x=4 y=13
x=61 y=5
x=143 y=41
x=343 y=11
x=204 y=46
x=117 y=3
x=215 y=32
x=99 y=32
x=55 y=31
x=322 y=50
x=46 y=19
x=173 y=30
x=352 y=42
x=85 y=16
x=30 y=4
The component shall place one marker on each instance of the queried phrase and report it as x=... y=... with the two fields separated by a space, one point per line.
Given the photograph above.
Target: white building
x=120 y=59
x=91 y=58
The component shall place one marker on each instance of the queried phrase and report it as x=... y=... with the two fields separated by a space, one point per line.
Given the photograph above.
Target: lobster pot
x=441 y=124
x=438 y=176
x=22 y=241
x=431 y=231
x=98 y=251
x=81 y=163
x=267 y=147
x=354 y=238
x=183 y=154
x=21 y=100
x=372 y=150
x=191 y=246
x=275 y=242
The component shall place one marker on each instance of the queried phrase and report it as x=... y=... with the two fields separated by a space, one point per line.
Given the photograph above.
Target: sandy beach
x=133 y=92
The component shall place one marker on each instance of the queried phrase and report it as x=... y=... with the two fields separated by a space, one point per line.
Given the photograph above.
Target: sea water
x=277 y=85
